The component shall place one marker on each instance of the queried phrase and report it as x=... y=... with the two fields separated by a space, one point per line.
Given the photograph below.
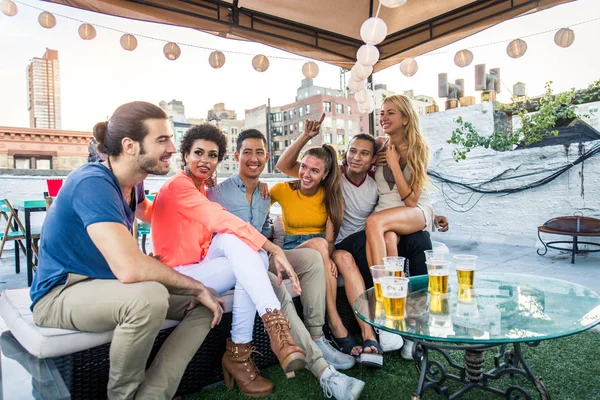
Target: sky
x=98 y=75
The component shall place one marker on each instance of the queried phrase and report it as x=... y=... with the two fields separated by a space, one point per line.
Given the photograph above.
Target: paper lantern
x=463 y=58
x=171 y=51
x=8 y=8
x=216 y=59
x=363 y=96
x=260 y=63
x=392 y=3
x=365 y=108
x=361 y=72
x=373 y=30
x=87 y=32
x=310 y=69
x=409 y=67
x=516 y=48
x=356 y=85
x=47 y=20
x=128 y=42
x=367 y=55
x=564 y=37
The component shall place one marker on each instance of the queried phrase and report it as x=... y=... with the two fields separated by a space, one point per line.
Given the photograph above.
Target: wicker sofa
x=83 y=358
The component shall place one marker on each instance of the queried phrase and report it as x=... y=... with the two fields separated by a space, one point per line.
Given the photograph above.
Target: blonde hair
x=418 y=147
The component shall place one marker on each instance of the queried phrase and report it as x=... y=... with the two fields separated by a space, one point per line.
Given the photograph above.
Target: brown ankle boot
x=290 y=356
x=238 y=366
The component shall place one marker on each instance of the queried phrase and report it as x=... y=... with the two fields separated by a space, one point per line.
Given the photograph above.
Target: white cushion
x=52 y=342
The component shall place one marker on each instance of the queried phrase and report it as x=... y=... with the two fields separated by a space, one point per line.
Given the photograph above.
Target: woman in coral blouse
x=183 y=224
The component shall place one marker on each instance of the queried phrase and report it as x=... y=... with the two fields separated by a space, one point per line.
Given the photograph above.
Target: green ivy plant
x=538 y=120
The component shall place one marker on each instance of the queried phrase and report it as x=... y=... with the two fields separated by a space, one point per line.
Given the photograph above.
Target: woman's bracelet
x=407 y=196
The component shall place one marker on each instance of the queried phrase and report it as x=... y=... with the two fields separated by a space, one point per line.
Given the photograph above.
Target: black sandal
x=374 y=360
x=345 y=344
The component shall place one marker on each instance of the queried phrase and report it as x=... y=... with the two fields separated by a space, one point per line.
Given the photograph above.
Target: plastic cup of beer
x=465 y=269
x=394 y=290
x=438 y=271
x=395 y=264
x=378 y=272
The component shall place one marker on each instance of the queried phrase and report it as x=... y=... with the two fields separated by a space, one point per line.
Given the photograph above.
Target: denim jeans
x=290 y=242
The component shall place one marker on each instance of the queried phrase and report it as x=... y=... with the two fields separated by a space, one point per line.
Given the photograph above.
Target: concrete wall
x=512 y=218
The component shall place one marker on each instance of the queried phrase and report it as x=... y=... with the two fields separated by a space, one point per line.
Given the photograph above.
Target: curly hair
x=203 y=131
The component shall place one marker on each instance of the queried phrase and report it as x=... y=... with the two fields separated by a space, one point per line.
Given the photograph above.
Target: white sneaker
x=389 y=341
x=340 y=386
x=407 y=350
x=334 y=357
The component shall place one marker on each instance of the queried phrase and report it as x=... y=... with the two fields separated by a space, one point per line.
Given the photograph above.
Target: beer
x=466 y=278
x=378 y=294
x=394 y=291
x=394 y=307
x=438 y=304
x=395 y=264
x=438 y=281
x=379 y=272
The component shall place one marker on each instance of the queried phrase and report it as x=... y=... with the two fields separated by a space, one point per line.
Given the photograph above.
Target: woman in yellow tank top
x=312 y=211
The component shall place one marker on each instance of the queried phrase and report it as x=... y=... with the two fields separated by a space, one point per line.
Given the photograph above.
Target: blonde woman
x=403 y=207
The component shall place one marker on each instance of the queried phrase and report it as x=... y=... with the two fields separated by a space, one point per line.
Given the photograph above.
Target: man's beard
x=150 y=165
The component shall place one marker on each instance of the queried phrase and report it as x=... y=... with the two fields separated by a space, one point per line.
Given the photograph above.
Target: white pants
x=231 y=262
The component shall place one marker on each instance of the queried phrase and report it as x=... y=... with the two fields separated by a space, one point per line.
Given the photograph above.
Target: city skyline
x=98 y=75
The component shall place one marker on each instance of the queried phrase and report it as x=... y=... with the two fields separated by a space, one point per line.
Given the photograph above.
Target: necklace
x=132 y=194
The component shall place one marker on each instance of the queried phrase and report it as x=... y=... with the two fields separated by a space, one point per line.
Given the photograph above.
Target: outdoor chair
x=15 y=230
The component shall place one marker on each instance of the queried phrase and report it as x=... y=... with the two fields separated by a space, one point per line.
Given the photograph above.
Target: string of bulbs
x=373 y=31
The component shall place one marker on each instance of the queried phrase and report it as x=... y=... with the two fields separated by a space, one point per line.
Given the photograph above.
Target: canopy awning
x=326 y=30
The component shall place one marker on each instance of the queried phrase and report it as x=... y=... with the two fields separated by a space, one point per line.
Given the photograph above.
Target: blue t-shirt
x=91 y=194
x=231 y=194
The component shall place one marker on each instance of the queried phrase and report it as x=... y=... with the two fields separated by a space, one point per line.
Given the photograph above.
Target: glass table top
x=501 y=308
x=25 y=377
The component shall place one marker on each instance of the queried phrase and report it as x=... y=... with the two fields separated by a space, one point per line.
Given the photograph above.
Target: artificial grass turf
x=570 y=368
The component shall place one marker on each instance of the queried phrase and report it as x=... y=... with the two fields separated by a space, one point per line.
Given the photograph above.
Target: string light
x=463 y=58
x=516 y=48
x=216 y=59
x=47 y=20
x=260 y=63
x=128 y=42
x=9 y=8
x=563 y=38
x=172 y=51
x=87 y=32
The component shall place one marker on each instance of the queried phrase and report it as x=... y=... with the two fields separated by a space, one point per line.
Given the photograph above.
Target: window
x=349 y=110
x=291 y=129
x=361 y=119
x=327 y=106
x=340 y=139
x=32 y=162
x=286 y=143
x=339 y=108
x=276 y=145
x=327 y=138
x=276 y=117
x=301 y=111
x=301 y=126
x=277 y=131
x=339 y=123
x=285 y=116
x=307 y=109
x=327 y=122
